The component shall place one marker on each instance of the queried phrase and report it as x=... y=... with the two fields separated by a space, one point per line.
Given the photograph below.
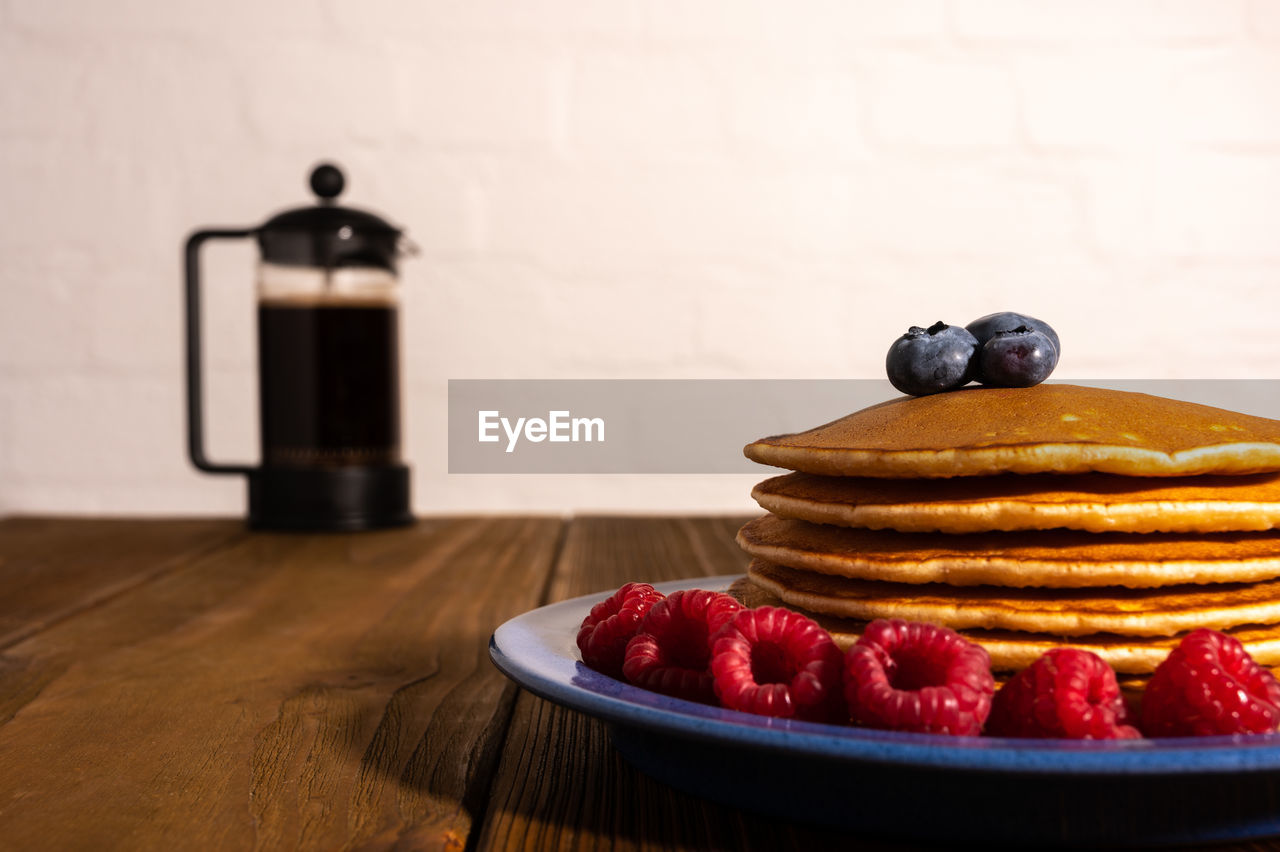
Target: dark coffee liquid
x=329 y=384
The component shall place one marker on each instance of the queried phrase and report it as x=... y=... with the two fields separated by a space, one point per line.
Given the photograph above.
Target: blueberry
x=1017 y=359
x=932 y=360
x=985 y=328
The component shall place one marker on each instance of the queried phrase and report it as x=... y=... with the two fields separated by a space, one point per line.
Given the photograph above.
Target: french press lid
x=328 y=235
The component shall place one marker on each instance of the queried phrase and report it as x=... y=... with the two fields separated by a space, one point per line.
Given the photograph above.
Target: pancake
x=1095 y=502
x=1043 y=429
x=1012 y=652
x=1058 y=612
x=1063 y=559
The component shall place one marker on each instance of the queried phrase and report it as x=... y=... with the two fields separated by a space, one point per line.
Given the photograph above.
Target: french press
x=328 y=367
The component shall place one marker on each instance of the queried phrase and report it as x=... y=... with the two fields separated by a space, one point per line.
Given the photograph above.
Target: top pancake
x=1043 y=429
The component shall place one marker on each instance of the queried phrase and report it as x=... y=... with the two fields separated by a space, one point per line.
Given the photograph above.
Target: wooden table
x=189 y=684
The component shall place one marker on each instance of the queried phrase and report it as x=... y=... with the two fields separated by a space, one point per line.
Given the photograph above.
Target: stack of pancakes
x=1028 y=519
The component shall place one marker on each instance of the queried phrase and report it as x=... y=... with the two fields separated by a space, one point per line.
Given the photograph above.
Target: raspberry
x=1210 y=685
x=774 y=662
x=607 y=629
x=1067 y=693
x=907 y=676
x=671 y=653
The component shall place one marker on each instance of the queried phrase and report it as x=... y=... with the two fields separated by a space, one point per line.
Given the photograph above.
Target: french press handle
x=195 y=384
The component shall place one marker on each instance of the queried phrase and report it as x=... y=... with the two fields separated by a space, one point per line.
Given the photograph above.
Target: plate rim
x=521 y=649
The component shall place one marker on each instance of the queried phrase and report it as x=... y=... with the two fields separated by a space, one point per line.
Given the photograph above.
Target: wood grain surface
x=52 y=569
x=278 y=692
x=190 y=685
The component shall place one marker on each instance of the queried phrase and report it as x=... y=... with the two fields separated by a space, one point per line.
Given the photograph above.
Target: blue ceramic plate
x=906 y=785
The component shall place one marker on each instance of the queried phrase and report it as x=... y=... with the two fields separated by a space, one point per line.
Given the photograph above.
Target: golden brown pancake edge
x=1063 y=559
x=1093 y=502
x=1059 y=428
x=1012 y=652
x=1057 y=612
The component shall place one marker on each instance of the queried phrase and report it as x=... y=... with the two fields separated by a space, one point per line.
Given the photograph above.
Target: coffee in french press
x=328 y=367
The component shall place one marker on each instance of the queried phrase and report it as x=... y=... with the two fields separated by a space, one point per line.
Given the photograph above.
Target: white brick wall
x=947 y=103
x=631 y=188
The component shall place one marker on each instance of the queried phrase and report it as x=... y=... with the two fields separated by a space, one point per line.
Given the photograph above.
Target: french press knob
x=328 y=366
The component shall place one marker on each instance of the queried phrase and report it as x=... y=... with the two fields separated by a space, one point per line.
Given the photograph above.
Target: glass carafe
x=328 y=367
